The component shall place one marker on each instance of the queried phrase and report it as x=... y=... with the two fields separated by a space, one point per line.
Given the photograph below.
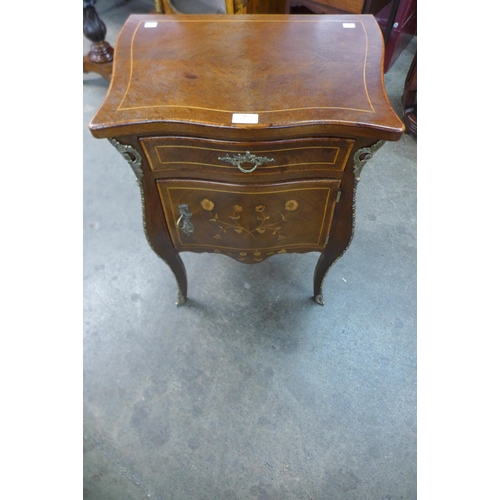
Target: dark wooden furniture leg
x=342 y=230
x=154 y=223
x=325 y=262
x=410 y=98
x=339 y=240
x=100 y=57
x=158 y=237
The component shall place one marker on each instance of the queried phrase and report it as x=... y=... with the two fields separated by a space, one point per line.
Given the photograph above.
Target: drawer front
x=172 y=153
x=248 y=222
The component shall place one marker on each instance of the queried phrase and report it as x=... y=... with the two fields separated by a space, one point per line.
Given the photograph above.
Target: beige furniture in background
x=231 y=6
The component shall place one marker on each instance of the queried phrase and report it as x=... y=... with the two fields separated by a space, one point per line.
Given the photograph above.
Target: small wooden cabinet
x=247 y=134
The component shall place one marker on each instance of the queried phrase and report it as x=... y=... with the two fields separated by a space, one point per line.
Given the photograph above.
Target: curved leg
x=340 y=238
x=182 y=289
x=177 y=267
x=346 y=218
x=325 y=262
x=173 y=260
x=162 y=246
x=153 y=222
x=319 y=275
x=160 y=243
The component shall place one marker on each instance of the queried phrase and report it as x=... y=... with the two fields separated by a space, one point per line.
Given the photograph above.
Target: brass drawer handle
x=238 y=159
x=184 y=221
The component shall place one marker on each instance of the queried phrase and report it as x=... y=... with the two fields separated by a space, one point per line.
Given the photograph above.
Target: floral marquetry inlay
x=251 y=256
x=271 y=223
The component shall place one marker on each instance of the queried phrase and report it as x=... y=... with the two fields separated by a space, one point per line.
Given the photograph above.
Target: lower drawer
x=249 y=222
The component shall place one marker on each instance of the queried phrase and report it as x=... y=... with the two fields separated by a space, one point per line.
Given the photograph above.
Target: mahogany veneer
x=281 y=178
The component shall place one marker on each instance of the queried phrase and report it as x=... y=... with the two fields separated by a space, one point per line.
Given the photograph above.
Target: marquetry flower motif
x=207 y=204
x=267 y=223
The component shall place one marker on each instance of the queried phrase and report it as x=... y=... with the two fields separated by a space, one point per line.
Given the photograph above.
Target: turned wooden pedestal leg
x=100 y=58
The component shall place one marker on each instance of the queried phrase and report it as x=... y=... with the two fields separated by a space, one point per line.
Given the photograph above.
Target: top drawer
x=271 y=157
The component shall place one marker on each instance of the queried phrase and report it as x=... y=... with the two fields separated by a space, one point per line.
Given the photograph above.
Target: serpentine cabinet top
x=179 y=73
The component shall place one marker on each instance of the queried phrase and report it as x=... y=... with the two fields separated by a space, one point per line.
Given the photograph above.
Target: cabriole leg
x=324 y=263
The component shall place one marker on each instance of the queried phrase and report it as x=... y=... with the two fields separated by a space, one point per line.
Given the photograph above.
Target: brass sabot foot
x=319 y=299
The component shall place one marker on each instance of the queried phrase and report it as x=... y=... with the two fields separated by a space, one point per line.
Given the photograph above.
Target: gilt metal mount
x=248 y=157
x=361 y=157
x=132 y=156
x=184 y=221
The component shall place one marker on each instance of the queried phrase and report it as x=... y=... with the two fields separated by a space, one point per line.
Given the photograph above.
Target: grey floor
x=250 y=390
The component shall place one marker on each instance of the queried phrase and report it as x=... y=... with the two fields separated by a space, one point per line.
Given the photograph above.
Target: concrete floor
x=250 y=391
